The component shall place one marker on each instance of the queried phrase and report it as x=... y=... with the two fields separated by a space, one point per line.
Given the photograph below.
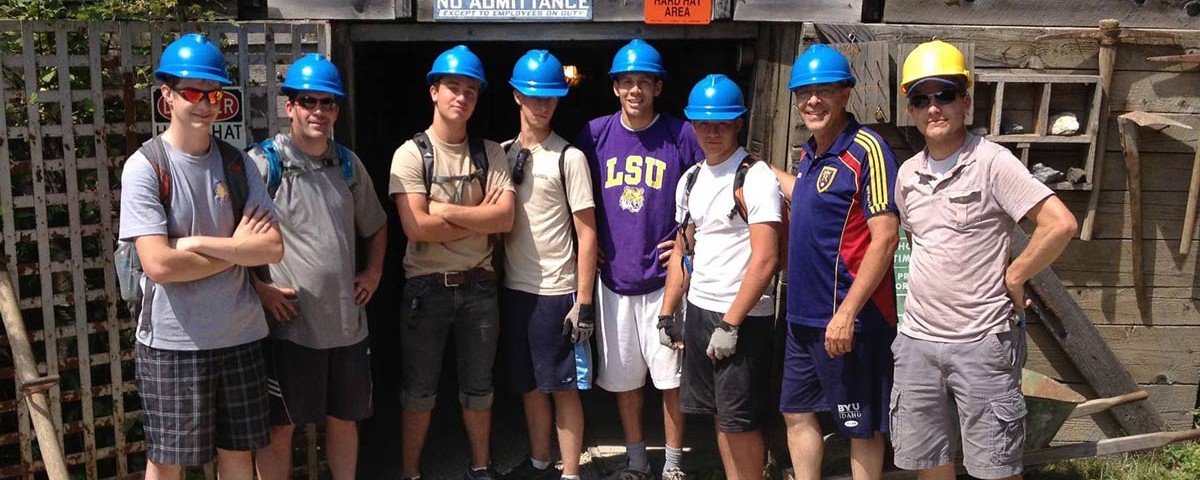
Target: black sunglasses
x=518 y=171
x=309 y=103
x=944 y=97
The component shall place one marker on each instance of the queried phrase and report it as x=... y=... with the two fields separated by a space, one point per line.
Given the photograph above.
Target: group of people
x=687 y=231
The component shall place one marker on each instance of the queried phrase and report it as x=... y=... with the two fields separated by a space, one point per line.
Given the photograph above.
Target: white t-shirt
x=722 y=249
x=939 y=168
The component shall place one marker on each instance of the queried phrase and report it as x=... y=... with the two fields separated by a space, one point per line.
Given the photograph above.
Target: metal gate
x=75 y=100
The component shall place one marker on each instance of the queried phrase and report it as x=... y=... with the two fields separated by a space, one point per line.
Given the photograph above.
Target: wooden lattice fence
x=75 y=100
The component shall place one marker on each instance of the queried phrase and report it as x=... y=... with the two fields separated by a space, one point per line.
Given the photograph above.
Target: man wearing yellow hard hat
x=961 y=344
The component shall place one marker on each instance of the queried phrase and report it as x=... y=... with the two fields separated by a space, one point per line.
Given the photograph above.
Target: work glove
x=579 y=323
x=723 y=343
x=669 y=332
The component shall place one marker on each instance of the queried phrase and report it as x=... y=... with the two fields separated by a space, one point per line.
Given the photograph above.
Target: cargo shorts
x=947 y=391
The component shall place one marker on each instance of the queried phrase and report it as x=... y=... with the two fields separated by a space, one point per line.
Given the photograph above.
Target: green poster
x=901 y=267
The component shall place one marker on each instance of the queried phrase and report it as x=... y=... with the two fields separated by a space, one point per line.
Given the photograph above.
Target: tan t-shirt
x=408 y=176
x=960 y=229
x=539 y=251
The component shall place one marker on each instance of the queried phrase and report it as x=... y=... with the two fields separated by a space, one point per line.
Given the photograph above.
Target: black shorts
x=540 y=357
x=308 y=384
x=733 y=389
x=194 y=401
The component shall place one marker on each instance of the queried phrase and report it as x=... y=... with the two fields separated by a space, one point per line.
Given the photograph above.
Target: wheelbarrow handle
x=1092 y=407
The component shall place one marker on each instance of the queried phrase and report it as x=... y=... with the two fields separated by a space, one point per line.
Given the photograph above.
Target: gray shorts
x=976 y=397
x=431 y=313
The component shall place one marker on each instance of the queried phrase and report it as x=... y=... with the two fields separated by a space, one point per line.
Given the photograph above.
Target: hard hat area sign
x=678 y=12
x=230 y=124
x=512 y=10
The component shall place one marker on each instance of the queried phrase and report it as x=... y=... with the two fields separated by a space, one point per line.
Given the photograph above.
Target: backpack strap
x=274 y=166
x=347 y=162
x=689 y=181
x=478 y=159
x=234 y=163
x=739 y=181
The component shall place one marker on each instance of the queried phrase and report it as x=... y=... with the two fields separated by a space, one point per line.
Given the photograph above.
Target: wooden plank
x=1116 y=306
x=870 y=62
x=1159 y=14
x=342 y=49
x=770 y=116
x=271 y=88
x=1174 y=402
x=403 y=9
x=1161 y=214
x=835 y=11
x=1153 y=355
x=411 y=32
x=105 y=204
x=333 y=9
x=1015 y=47
x=1106 y=263
x=78 y=288
x=1163 y=172
x=1084 y=345
x=35 y=141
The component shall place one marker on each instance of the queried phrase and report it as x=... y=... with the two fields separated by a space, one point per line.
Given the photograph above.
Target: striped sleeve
x=879 y=174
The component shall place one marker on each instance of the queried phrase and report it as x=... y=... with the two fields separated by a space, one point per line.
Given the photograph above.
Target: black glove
x=579 y=323
x=669 y=332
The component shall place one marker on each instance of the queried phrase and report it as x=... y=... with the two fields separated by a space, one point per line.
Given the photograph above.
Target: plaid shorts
x=196 y=401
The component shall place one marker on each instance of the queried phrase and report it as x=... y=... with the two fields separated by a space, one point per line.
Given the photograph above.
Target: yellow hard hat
x=933 y=59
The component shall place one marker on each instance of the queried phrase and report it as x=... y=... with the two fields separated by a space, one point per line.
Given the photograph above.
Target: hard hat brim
x=314 y=88
x=941 y=80
x=540 y=91
x=194 y=75
x=702 y=115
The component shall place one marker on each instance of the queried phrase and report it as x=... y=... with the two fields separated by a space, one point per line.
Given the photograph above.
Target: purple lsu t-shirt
x=635 y=174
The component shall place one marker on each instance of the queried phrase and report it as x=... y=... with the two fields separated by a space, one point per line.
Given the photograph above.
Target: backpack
x=739 y=209
x=276 y=169
x=478 y=158
x=562 y=177
x=130 y=275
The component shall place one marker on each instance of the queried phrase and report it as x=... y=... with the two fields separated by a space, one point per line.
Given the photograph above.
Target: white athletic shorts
x=627 y=339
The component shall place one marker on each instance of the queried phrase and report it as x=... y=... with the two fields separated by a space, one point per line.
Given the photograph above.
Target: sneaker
x=674 y=474
x=485 y=474
x=634 y=475
x=526 y=471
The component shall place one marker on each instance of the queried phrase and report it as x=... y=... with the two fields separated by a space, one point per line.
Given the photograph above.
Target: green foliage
x=177 y=10
x=1180 y=461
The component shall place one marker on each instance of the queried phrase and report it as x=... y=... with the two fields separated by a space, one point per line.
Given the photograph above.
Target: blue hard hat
x=458 y=60
x=820 y=64
x=637 y=56
x=539 y=74
x=715 y=97
x=314 y=73
x=193 y=56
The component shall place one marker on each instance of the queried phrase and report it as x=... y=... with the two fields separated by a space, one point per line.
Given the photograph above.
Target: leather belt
x=455 y=279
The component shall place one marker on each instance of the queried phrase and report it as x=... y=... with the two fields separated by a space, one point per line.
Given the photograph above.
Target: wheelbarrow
x=1050 y=404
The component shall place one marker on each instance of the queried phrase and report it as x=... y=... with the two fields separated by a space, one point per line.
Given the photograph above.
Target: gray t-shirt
x=320 y=217
x=221 y=310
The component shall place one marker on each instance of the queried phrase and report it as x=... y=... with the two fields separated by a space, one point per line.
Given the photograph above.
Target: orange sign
x=679 y=12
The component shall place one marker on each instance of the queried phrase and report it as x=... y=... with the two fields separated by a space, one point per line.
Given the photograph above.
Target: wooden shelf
x=1035 y=138
x=1068 y=186
x=1035 y=78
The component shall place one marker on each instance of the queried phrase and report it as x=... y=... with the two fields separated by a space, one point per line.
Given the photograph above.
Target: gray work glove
x=669 y=332
x=723 y=343
x=579 y=323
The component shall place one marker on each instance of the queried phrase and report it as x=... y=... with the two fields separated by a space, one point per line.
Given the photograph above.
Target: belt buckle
x=459 y=277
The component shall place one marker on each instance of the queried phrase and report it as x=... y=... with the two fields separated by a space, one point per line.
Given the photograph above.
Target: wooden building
x=58 y=178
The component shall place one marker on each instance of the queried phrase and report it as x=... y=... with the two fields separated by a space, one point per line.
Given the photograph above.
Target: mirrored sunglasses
x=194 y=95
x=943 y=98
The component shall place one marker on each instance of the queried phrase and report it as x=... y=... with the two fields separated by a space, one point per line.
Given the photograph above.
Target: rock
x=1010 y=128
x=1064 y=124
x=981 y=131
x=1076 y=175
x=1046 y=174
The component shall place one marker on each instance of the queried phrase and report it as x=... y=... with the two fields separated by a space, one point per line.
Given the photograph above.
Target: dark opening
x=392 y=102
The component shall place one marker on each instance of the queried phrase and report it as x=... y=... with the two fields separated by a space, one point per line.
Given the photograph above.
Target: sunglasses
x=824 y=91
x=518 y=172
x=193 y=95
x=309 y=103
x=943 y=98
